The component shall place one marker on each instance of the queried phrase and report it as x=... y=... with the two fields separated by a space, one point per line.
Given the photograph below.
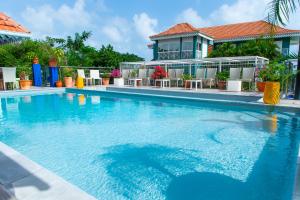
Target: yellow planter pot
x=79 y=83
x=272 y=93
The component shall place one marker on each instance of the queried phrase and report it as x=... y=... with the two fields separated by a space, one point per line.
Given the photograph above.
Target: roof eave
x=153 y=38
x=255 y=37
x=19 y=34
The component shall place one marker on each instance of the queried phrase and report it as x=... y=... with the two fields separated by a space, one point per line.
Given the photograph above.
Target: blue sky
x=127 y=24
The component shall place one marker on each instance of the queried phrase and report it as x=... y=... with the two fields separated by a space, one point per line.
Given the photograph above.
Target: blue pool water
x=117 y=147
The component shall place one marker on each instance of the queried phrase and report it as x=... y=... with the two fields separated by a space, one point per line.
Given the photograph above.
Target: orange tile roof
x=178 y=29
x=244 y=30
x=228 y=32
x=8 y=24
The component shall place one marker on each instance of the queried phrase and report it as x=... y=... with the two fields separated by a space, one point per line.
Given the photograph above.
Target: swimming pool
x=128 y=147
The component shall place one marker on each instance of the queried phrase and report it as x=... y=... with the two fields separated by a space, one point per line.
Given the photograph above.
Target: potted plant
x=186 y=77
x=261 y=82
x=159 y=73
x=134 y=73
x=59 y=83
x=24 y=82
x=105 y=78
x=221 y=78
x=275 y=73
x=68 y=77
x=117 y=76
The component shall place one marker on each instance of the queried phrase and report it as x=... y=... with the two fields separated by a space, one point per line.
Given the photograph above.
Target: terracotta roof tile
x=242 y=30
x=8 y=24
x=231 y=31
x=178 y=29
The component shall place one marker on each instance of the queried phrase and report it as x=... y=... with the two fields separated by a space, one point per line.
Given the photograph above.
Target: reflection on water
x=70 y=97
x=81 y=100
x=26 y=99
x=95 y=99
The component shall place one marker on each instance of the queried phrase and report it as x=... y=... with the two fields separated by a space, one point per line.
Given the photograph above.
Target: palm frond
x=280 y=11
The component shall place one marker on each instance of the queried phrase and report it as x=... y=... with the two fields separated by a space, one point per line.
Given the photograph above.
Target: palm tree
x=279 y=14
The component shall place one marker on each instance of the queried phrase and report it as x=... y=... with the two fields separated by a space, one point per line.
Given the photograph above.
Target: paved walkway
x=21 y=178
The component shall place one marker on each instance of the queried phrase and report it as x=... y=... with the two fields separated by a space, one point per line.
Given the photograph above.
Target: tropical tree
x=279 y=14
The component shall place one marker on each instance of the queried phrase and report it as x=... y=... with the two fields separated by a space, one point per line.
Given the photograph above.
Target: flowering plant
x=159 y=73
x=116 y=73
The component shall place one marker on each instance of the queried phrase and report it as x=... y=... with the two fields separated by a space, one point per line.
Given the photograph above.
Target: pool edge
x=24 y=179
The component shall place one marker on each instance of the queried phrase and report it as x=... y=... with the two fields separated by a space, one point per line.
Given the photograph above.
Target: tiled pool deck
x=21 y=178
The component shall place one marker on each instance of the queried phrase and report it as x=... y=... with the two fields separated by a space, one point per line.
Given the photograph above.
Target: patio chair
x=95 y=75
x=142 y=74
x=235 y=73
x=80 y=73
x=248 y=75
x=9 y=76
x=179 y=73
x=149 y=78
x=200 y=74
x=126 y=75
x=172 y=75
x=211 y=75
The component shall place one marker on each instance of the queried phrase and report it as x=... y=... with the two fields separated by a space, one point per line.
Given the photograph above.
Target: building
x=11 y=31
x=183 y=41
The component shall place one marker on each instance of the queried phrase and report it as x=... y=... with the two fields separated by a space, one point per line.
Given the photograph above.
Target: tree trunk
x=297 y=89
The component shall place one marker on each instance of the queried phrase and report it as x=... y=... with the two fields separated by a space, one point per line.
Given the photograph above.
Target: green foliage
x=134 y=73
x=105 y=75
x=67 y=72
x=222 y=76
x=186 y=77
x=70 y=51
x=260 y=47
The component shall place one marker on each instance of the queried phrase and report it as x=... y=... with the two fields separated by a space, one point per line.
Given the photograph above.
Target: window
x=187 y=46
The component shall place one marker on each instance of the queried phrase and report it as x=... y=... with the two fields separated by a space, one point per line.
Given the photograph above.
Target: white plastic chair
x=9 y=75
x=200 y=74
x=142 y=74
x=150 y=72
x=248 y=75
x=125 y=75
x=95 y=75
x=211 y=75
x=235 y=73
x=80 y=73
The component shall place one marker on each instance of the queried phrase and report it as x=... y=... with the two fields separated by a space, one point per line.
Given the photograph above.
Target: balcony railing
x=169 y=55
x=187 y=54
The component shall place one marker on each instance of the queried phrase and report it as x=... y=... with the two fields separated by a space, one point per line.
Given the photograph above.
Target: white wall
x=204 y=48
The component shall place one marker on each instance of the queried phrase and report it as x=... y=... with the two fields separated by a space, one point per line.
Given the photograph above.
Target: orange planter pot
x=272 y=93
x=105 y=81
x=68 y=82
x=58 y=84
x=261 y=86
x=25 y=84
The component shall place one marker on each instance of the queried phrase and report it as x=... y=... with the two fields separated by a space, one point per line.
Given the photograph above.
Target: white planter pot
x=118 y=82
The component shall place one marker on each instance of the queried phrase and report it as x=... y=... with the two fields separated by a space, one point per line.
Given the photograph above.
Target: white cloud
x=144 y=25
x=118 y=30
x=39 y=20
x=45 y=20
x=191 y=16
x=73 y=16
x=240 y=11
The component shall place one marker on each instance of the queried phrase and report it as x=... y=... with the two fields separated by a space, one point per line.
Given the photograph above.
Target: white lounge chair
x=200 y=73
x=172 y=75
x=80 y=73
x=179 y=73
x=126 y=75
x=8 y=76
x=95 y=75
x=150 y=72
x=235 y=73
x=211 y=75
x=248 y=75
x=143 y=75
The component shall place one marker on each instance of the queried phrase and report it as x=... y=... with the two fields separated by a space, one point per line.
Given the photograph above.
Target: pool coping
x=23 y=179
x=257 y=104
x=296 y=195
